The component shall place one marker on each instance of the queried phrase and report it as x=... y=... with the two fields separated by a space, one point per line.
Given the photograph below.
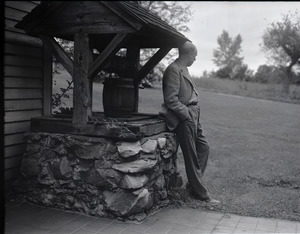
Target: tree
x=269 y=74
x=227 y=55
x=281 y=42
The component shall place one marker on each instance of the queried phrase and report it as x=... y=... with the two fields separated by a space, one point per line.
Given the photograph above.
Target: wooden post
x=91 y=60
x=81 y=93
x=47 y=96
x=133 y=55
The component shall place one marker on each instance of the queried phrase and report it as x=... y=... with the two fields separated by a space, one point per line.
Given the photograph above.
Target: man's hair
x=187 y=48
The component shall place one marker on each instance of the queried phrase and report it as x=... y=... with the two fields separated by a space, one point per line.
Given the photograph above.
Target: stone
x=170 y=148
x=48 y=154
x=34 y=137
x=144 y=201
x=111 y=177
x=103 y=164
x=61 y=150
x=45 y=176
x=47 y=198
x=47 y=142
x=30 y=167
x=160 y=183
x=140 y=165
x=92 y=177
x=133 y=181
x=61 y=168
x=33 y=148
x=124 y=204
x=101 y=177
x=153 y=156
x=149 y=146
x=89 y=150
x=129 y=149
x=161 y=142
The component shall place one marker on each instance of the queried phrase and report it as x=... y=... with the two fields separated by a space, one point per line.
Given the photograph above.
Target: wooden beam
x=81 y=92
x=59 y=53
x=152 y=62
x=110 y=50
x=90 y=81
x=133 y=55
x=47 y=84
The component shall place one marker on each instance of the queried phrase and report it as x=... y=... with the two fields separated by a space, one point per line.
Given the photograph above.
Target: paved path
x=31 y=219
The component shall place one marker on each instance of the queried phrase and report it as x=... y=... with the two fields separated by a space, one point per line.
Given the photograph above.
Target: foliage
x=269 y=74
x=281 y=43
x=227 y=56
x=68 y=46
x=57 y=97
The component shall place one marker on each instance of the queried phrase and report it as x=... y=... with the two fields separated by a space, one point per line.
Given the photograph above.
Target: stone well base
x=99 y=176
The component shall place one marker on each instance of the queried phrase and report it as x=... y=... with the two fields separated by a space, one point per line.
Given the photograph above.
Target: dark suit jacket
x=178 y=88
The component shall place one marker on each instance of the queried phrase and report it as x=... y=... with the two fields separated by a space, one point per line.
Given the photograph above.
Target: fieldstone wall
x=99 y=176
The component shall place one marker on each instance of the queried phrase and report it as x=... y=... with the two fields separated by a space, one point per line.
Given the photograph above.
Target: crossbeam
x=109 y=51
x=152 y=62
x=60 y=54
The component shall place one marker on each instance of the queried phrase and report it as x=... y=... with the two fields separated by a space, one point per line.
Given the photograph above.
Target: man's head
x=187 y=53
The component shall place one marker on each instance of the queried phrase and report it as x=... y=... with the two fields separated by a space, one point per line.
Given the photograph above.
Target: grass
x=250 y=89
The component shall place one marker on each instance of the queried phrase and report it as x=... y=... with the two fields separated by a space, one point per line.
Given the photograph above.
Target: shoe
x=212 y=201
x=193 y=195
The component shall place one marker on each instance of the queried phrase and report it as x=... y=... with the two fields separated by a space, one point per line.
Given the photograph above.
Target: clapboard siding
x=14 y=14
x=23 y=85
x=20 y=94
x=13 y=150
x=14 y=139
x=21 y=115
x=20 y=38
x=10 y=26
x=13 y=162
x=21 y=50
x=17 y=82
x=16 y=127
x=17 y=60
x=9 y=175
x=25 y=6
x=14 y=105
x=20 y=71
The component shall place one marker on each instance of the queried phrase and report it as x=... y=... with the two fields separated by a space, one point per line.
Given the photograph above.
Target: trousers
x=195 y=150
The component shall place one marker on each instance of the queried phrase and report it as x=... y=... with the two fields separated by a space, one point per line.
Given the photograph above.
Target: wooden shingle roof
x=149 y=18
x=102 y=19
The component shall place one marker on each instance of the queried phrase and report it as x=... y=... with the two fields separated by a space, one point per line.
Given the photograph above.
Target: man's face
x=192 y=58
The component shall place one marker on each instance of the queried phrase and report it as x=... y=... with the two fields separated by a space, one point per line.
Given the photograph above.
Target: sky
x=249 y=19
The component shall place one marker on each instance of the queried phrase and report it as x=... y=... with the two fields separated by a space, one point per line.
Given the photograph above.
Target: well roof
x=102 y=20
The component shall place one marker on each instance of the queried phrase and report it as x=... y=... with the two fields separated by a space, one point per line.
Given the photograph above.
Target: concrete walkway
x=27 y=218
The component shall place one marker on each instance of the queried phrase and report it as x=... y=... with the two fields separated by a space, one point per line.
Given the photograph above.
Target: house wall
x=26 y=86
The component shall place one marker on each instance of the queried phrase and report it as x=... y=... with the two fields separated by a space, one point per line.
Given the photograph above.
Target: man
x=182 y=114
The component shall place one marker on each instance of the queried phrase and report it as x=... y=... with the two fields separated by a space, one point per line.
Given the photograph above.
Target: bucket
x=118 y=97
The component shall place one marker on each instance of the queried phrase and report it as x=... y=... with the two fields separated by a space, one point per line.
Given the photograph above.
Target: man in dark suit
x=182 y=114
